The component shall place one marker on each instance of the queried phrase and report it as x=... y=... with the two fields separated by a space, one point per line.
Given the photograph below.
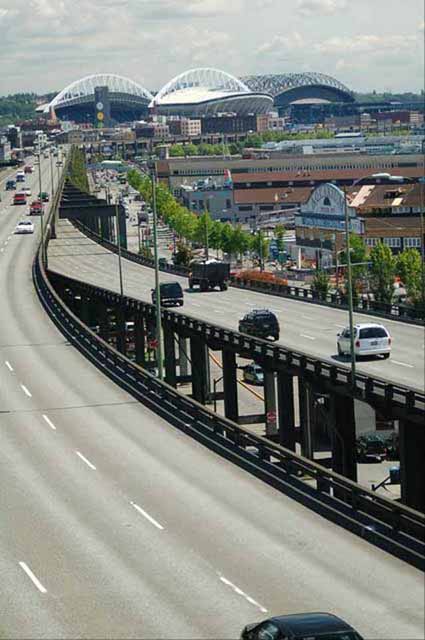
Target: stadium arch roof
x=121 y=89
x=286 y=88
x=207 y=91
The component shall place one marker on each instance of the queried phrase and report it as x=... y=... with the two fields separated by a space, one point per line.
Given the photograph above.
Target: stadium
x=209 y=92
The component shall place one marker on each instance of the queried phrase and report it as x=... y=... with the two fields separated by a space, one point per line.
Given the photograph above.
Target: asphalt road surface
x=116 y=525
x=305 y=327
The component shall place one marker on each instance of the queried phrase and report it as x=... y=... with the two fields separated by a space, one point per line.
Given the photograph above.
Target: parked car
x=253 y=374
x=370 y=446
x=301 y=626
x=369 y=340
x=171 y=294
x=260 y=323
x=25 y=226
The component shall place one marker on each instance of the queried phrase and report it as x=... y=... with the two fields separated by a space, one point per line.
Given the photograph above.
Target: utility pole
x=157 y=287
x=350 y=292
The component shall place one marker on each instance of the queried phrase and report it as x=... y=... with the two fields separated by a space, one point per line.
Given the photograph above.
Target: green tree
x=382 y=272
x=409 y=268
x=177 y=151
x=279 y=234
x=183 y=254
x=240 y=241
x=260 y=246
x=321 y=284
x=190 y=149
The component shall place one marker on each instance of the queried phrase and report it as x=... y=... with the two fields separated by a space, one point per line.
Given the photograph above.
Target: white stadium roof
x=208 y=91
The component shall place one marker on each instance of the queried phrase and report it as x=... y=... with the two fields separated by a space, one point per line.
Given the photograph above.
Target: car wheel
x=386 y=356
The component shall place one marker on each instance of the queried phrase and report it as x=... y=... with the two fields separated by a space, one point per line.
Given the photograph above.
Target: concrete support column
x=343 y=424
x=183 y=356
x=121 y=330
x=103 y=320
x=285 y=397
x=169 y=355
x=412 y=456
x=200 y=369
x=230 y=385
x=305 y=395
x=270 y=403
x=139 y=339
x=104 y=228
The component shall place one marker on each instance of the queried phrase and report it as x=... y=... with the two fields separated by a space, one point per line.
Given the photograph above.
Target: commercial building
x=5 y=149
x=190 y=128
x=218 y=201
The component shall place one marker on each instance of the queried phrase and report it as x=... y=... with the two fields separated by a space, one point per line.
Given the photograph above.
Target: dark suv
x=171 y=294
x=260 y=323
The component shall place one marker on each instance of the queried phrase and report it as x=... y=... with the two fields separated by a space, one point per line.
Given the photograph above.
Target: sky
x=366 y=44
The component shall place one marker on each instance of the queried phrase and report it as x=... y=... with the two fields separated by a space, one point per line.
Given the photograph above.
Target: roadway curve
x=305 y=327
x=116 y=525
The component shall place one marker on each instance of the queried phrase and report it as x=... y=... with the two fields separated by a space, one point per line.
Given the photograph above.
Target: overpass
x=120 y=526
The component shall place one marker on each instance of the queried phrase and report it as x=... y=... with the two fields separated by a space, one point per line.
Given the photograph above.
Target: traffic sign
x=271 y=417
x=153 y=344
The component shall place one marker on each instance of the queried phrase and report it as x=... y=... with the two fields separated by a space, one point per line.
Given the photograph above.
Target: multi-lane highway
x=304 y=327
x=115 y=525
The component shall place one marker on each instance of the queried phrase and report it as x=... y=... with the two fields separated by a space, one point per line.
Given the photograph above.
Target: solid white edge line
x=243 y=594
x=49 y=422
x=147 y=516
x=26 y=391
x=304 y=335
x=402 y=364
x=32 y=577
x=84 y=459
x=8 y=365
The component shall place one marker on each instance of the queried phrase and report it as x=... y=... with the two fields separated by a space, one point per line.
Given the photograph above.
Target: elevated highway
x=115 y=525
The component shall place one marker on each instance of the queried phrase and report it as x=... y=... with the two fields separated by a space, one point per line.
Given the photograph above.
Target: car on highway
x=25 y=226
x=260 y=323
x=301 y=626
x=36 y=208
x=171 y=294
x=20 y=198
x=253 y=374
x=10 y=185
x=27 y=191
x=44 y=196
x=28 y=169
x=369 y=340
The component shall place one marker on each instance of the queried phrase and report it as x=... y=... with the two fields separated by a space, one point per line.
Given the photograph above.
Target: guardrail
x=398 y=312
x=394 y=527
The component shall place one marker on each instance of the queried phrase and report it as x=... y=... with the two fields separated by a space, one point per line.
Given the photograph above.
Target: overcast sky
x=367 y=44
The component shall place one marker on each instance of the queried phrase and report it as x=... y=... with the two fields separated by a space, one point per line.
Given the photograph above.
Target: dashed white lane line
x=340 y=326
x=403 y=364
x=84 y=459
x=33 y=577
x=304 y=335
x=306 y=317
x=8 y=365
x=147 y=516
x=26 y=391
x=49 y=422
x=243 y=594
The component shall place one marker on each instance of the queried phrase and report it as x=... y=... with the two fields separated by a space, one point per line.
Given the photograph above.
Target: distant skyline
x=366 y=44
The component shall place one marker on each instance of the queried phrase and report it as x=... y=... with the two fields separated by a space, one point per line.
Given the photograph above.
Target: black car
x=300 y=626
x=260 y=323
x=171 y=294
x=370 y=446
x=10 y=185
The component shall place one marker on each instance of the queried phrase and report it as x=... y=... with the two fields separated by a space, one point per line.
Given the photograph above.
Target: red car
x=20 y=198
x=28 y=169
x=36 y=208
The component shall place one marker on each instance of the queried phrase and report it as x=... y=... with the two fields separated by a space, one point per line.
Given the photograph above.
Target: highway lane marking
x=340 y=326
x=49 y=422
x=26 y=391
x=147 y=516
x=402 y=364
x=243 y=594
x=33 y=577
x=8 y=365
x=306 y=317
x=84 y=459
x=304 y=335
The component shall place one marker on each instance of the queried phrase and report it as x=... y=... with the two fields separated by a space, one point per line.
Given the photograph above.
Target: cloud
x=369 y=44
x=321 y=7
x=292 y=41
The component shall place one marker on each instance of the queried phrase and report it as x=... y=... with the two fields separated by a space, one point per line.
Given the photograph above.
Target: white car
x=369 y=340
x=27 y=191
x=25 y=226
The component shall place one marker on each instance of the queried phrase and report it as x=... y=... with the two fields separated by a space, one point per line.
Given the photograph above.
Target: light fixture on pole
x=157 y=287
x=350 y=292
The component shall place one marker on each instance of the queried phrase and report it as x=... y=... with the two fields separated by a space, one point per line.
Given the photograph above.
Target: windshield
x=373 y=332
x=173 y=289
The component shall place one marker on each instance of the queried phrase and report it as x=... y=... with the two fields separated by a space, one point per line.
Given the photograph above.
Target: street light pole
x=350 y=292
x=43 y=248
x=157 y=287
x=117 y=230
